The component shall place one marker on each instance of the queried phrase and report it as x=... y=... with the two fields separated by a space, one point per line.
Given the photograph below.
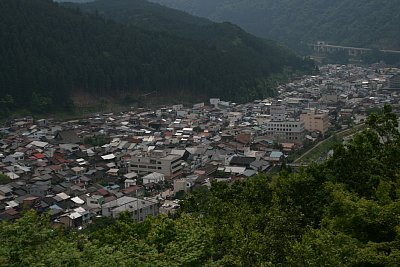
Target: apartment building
x=157 y=161
x=277 y=112
x=138 y=208
x=394 y=82
x=286 y=131
x=315 y=121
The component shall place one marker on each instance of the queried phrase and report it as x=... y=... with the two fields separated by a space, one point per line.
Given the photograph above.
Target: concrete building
x=277 y=112
x=394 y=82
x=182 y=185
x=157 y=161
x=286 y=131
x=138 y=208
x=315 y=121
x=95 y=201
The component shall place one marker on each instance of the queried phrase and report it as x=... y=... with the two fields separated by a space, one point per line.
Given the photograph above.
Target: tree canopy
x=363 y=23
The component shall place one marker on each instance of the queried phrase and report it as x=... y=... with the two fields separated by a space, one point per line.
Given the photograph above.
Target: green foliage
x=6 y=104
x=20 y=240
x=376 y=56
x=339 y=57
x=98 y=140
x=40 y=104
x=4 y=179
x=363 y=23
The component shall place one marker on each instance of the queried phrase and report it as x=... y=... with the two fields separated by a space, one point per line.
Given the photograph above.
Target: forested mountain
x=344 y=212
x=225 y=37
x=74 y=1
x=364 y=23
x=47 y=51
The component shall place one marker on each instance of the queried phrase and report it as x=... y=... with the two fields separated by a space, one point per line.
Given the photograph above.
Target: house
x=134 y=191
x=241 y=161
x=182 y=185
x=153 y=177
x=15 y=157
x=95 y=201
x=67 y=137
x=129 y=182
x=275 y=156
x=75 y=218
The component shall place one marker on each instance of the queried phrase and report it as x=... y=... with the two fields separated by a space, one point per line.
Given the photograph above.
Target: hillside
x=364 y=23
x=147 y=15
x=48 y=51
x=225 y=37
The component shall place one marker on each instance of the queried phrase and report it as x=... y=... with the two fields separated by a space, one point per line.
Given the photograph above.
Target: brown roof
x=244 y=138
x=102 y=192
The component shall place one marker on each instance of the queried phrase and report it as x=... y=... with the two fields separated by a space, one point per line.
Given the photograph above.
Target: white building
x=153 y=177
x=157 y=161
x=138 y=208
x=286 y=131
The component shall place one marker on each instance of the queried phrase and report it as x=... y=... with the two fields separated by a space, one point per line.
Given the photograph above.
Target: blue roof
x=276 y=154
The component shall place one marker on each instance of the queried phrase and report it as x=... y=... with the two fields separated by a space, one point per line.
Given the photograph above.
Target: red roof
x=39 y=156
x=130 y=189
x=60 y=159
x=55 y=167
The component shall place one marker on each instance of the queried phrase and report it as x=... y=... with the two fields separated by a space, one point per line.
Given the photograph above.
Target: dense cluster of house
x=132 y=161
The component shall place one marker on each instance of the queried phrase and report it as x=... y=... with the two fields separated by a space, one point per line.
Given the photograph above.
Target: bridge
x=323 y=47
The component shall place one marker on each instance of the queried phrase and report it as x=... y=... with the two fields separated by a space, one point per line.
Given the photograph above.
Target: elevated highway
x=323 y=47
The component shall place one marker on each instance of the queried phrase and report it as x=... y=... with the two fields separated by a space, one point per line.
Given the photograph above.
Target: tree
x=4 y=179
x=40 y=104
x=6 y=105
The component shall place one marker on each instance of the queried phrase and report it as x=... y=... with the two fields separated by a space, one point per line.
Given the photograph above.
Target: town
x=143 y=160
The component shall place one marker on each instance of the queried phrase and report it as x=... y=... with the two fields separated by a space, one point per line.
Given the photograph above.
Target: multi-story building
x=277 y=112
x=394 y=82
x=315 y=121
x=138 y=208
x=157 y=161
x=282 y=129
x=286 y=131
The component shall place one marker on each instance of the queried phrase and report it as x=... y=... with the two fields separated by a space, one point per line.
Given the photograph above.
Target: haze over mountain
x=48 y=51
x=363 y=23
x=226 y=37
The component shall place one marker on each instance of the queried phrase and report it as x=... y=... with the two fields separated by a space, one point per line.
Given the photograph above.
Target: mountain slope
x=364 y=23
x=225 y=37
x=47 y=51
x=146 y=15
